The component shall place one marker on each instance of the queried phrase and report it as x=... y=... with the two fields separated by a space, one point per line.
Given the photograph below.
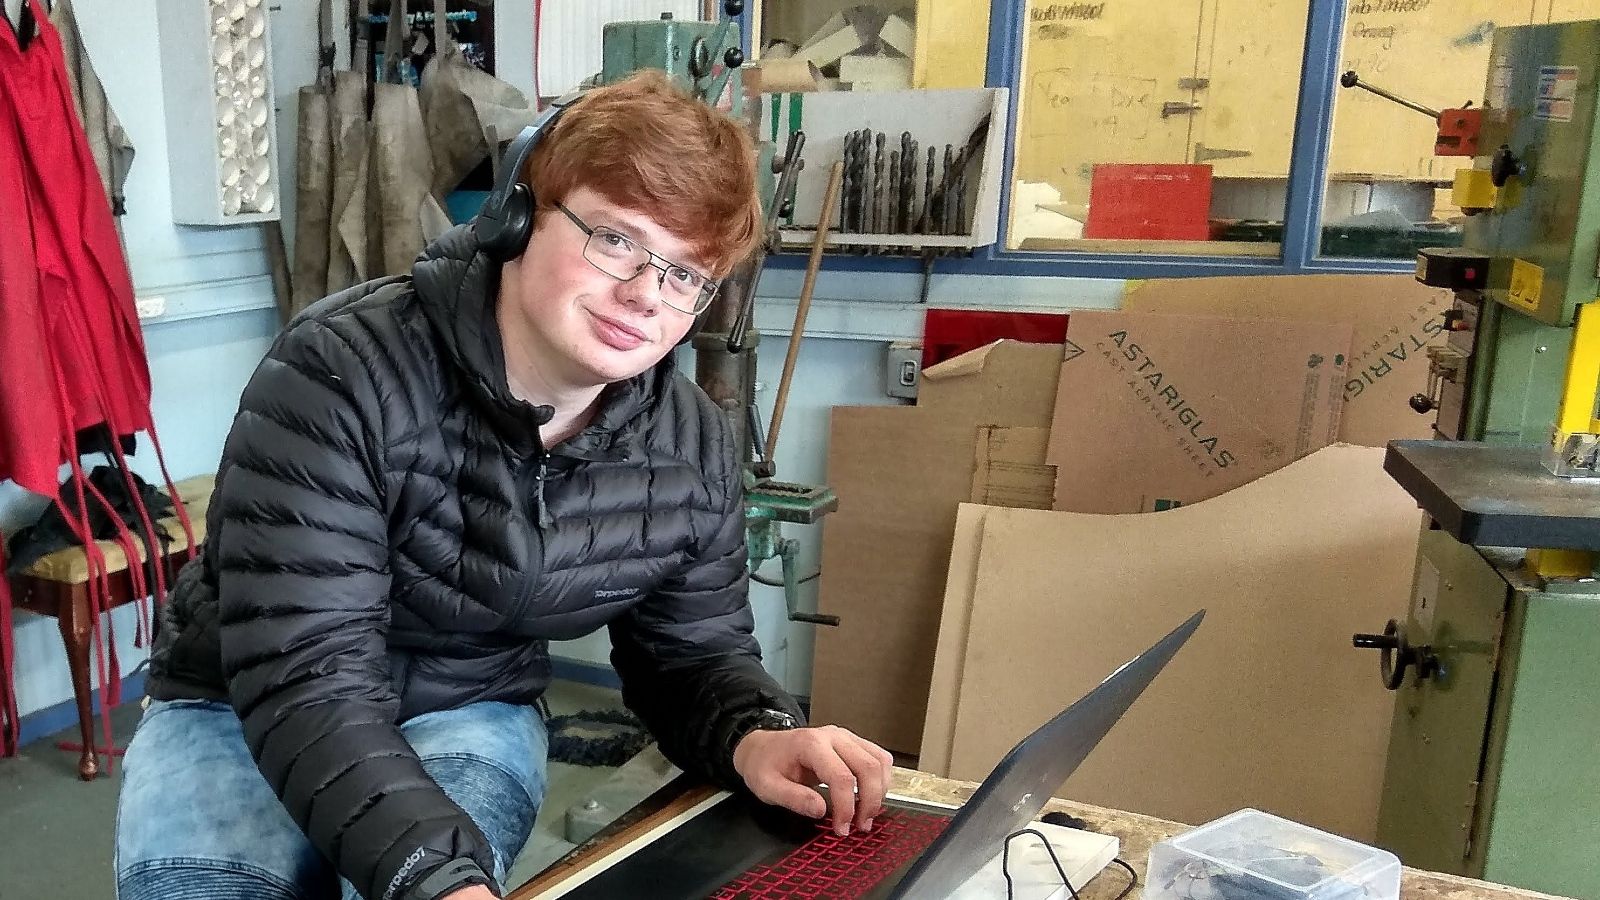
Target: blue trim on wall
x=46 y=722
x=1308 y=167
x=585 y=672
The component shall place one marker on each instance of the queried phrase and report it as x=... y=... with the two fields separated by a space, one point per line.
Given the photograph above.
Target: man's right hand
x=474 y=892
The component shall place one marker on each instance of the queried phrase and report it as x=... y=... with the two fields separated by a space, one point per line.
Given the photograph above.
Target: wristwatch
x=756 y=719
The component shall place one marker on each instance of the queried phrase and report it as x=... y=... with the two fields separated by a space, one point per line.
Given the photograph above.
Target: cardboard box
x=900 y=473
x=1394 y=317
x=1267 y=706
x=1159 y=411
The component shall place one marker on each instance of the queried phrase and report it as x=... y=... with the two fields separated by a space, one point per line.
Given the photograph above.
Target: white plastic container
x=1252 y=855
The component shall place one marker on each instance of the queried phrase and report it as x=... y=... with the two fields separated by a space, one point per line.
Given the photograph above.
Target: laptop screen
x=742 y=849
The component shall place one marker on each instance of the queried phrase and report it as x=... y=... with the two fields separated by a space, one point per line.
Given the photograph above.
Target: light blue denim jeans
x=196 y=820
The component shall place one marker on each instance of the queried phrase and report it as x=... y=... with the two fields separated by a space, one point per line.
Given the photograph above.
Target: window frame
x=1301 y=247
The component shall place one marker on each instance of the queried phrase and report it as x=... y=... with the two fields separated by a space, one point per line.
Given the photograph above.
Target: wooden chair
x=58 y=585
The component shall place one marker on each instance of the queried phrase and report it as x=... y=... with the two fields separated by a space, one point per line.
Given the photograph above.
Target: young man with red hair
x=429 y=478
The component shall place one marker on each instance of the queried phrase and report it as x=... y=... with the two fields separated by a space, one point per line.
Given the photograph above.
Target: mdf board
x=1435 y=53
x=1568 y=10
x=1267 y=706
x=900 y=473
x=883 y=561
x=1249 y=58
x=949 y=660
x=952 y=44
x=1094 y=79
x=1097 y=79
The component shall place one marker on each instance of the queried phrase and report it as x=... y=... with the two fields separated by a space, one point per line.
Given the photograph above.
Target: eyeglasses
x=623 y=258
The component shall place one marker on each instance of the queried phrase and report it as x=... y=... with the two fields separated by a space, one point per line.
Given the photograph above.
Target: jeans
x=196 y=820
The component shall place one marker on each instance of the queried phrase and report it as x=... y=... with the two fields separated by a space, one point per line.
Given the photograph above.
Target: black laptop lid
x=1032 y=772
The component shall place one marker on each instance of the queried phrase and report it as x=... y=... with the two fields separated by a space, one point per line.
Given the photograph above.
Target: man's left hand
x=783 y=767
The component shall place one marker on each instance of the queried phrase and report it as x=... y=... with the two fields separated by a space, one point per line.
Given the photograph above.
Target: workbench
x=1136 y=832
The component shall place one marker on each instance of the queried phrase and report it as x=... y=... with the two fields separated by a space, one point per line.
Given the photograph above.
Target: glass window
x=1388 y=192
x=1155 y=126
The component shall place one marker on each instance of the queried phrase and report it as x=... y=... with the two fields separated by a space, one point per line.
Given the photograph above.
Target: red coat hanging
x=70 y=342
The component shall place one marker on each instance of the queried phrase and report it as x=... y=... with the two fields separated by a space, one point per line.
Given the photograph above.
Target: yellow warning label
x=1527 y=285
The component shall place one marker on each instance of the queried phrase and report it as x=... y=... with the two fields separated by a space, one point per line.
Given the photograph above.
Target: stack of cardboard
x=1185 y=401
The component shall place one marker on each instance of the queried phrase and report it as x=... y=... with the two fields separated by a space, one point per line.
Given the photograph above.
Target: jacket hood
x=457 y=286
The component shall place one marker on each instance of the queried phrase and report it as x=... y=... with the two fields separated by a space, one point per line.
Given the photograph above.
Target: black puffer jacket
x=388 y=537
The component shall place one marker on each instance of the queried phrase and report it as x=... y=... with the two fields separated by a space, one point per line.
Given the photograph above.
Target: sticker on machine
x=1558 y=93
x=1427 y=599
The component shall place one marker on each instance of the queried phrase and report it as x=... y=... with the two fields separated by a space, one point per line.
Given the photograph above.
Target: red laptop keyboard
x=830 y=867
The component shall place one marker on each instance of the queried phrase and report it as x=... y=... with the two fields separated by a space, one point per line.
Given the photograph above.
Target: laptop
x=733 y=847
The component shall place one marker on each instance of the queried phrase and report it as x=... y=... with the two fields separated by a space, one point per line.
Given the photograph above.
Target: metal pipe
x=1351 y=79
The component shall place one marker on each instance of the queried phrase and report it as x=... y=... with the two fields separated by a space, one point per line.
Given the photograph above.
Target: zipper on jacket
x=545 y=519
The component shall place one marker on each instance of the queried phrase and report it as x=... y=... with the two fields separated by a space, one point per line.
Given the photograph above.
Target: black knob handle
x=734 y=58
x=1349 y=79
x=1395 y=653
x=813 y=618
x=1423 y=404
x=1504 y=165
x=1375 y=641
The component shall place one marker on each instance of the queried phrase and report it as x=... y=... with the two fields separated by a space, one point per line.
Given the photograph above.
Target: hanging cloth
x=69 y=335
x=403 y=215
x=348 y=261
x=108 y=142
x=468 y=111
x=314 y=174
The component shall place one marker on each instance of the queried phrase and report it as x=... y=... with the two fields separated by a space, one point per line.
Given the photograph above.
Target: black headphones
x=505 y=222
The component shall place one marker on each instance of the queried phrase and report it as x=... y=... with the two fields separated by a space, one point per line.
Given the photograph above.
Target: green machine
x=705 y=59
x=1494 y=756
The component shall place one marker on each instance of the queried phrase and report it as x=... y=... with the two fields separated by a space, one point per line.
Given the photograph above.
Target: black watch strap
x=452 y=876
x=758 y=719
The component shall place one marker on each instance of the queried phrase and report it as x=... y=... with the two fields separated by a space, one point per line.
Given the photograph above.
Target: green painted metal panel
x=1545 y=830
x=1440 y=723
x=1541 y=102
x=1524 y=374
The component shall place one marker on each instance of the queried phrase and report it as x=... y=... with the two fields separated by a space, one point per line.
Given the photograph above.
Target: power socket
x=902 y=370
x=150 y=307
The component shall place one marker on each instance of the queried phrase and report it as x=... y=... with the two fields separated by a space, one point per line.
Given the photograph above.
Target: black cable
x=1133 y=879
x=1005 y=851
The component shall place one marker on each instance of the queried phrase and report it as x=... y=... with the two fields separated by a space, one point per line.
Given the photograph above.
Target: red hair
x=645 y=144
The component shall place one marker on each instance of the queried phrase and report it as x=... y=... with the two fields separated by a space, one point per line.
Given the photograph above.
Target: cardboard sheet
x=1009 y=468
x=1268 y=706
x=1156 y=411
x=900 y=473
x=1395 y=319
x=950 y=656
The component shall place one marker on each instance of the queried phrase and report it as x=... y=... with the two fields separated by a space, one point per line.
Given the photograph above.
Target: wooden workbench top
x=1136 y=832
